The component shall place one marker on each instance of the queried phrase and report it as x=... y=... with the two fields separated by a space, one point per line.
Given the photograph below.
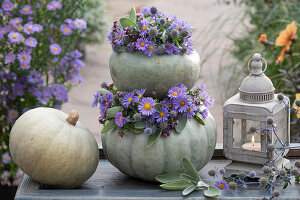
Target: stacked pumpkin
x=152 y=51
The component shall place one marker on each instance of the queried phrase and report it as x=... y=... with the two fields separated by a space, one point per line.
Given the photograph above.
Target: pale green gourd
x=130 y=155
x=53 y=148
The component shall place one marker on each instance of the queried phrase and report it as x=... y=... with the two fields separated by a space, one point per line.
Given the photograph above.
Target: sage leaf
x=181 y=125
x=201 y=185
x=136 y=131
x=157 y=106
x=113 y=111
x=163 y=37
x=152 y=139
x=140 y=124
x=132 y=14
x=125 y=22
x=189 y=178
x=178 y=185
x=199 y=120
x=107 y=127
x=170 y=177
x=188 y=190
x=212 y=191
x=191 y=170
x=104 y=91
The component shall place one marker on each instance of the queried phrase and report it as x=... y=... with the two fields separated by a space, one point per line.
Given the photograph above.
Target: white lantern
x=247 y=134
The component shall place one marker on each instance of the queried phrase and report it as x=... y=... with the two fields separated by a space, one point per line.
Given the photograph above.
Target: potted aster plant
x=153 y=51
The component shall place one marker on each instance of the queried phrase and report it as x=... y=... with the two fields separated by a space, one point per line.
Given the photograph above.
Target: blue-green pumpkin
x=157 y=73
x=131 y=156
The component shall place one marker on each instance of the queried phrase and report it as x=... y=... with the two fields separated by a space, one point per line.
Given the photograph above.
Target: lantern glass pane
x=243 y=138
x=280 y=125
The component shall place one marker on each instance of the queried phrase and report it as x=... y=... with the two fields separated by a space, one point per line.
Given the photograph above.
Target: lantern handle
x=257 y=57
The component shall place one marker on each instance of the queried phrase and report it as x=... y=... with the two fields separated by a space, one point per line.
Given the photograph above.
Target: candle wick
x=252 y=144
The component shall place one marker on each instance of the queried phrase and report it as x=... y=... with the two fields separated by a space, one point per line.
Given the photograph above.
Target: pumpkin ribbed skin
x=130 y=155
x=52 y=151
x=157 y=73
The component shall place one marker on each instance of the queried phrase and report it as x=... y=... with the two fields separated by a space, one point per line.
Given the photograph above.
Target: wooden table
x=109 y=183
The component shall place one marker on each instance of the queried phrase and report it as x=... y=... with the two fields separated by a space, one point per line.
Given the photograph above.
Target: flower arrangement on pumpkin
x=39 y=63
x=151 y=32
x=134 y=112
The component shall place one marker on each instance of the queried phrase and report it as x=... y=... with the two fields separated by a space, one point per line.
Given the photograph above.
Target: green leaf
x=170 y=177
x=132 y=14
x=140 y=124
x=191 y=170
x=125 y=22
x=189 y=178
x=178 y=185
x=136 y=131
x=107 y=127
x=212 y=191
x=181 y=125
x=163 y=37
x=153 y=138
x=104 y=91
x=202 y=184
x=188 y=190
x=199 y=120
x=157 y=106
x=113 y=111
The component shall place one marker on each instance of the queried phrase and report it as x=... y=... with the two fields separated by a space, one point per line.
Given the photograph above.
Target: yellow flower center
x=161 y=114
x=24 y=57
x=182 y=103
x=169 y=47
x=9 y=57
x=3 y=31
x=142 y=44
x=26 y=10
x=120 y=36
x=147 y=106
x=120 y=118
x=221 y=186
x=14 y=36
x=130 y=99
x=179 y=91
x=66 y=29
x=31 y=42
x=58 y=95
x=174 y=93
x=140 y=96
x=6 y=158
x=54 y=49
x=75 y=65
x=189 y=109
x=24 y=65
x=170 y=105
x=17 y=21
x=143 y=28
x=106 y=102
x=7 y=5
x=29 y=28
x=179 y=27
x=150 y=48
x=20 y=91
x=56 y=5
x=79 y=22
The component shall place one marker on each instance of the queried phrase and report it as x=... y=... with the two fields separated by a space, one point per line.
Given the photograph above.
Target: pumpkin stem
x=73 y=117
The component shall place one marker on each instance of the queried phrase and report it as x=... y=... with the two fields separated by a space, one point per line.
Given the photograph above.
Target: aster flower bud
x=173 y=113
x=153 y=128
x=276 y=193
x=271 y=147
x=252 y=174
x=252 y=129
x=273 y=169
x=212 y=172
x=184 y=33
x=222 y=171
x=295 y=172
x=280 y=97
x=163 y=125
x=160 y=50
x=297 y=102
x=162 y=21
x=270 y=120
x=115 y=99
x=174 y=33
x=297 y=163
x=137 y=117
x=183 y=50
x=153 y=32
x=153 y=10
x=266 y=169
x=282 y=172
x=242 y=174
x=104 y=84
x=263 y=181
x=148 y=131
x=232 y=185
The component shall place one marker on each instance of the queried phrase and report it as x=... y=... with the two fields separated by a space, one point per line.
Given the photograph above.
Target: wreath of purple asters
x=161 y=116
x=151 y=32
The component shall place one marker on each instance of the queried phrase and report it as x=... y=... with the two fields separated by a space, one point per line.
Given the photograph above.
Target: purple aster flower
x=24 y=65
x=25 y=110
x=162 y=115
x=142 y=44
x=120 y=120
x=47 y=91
x=6 y=158
x=56 y=4
x=128 y=99
x=168 y=103
x=105 y=102
x=174 y=92
x=79 y=23
x=38 y=28
x=96 y=99
x=182 y=89
x=16 y=182
x=208 y=101
x=222 y=185
x=7 y=5
x=16 y=21
x=43 y=98
x=190 y=111
x=182 y=103
x=140 y=94
x=24 y=57
x=57 y=106
x=15 y=37
x=57 y=88
x=70 y=23
x=144 y=10
x=26 y=10
x=143 y=28
x=150 y=48
x=5 y=175
x=55 y=49
x=12 y=114
x=10 y=57
x=204 y=113
x=4 y=30
x=77 y=63
x=34 y=90
x=18 y=90
x=148 y=131
x=29 y=28
x=180 y=25
x=120 y=36
x=65 y=29
x=33 y=77
x=19 y=173
x=50 y=7
x=146 y=106
x=169 y=48
x=189 y=45
x=31 y=42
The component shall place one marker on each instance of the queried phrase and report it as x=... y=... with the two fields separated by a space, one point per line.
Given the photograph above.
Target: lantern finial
x=255 y=65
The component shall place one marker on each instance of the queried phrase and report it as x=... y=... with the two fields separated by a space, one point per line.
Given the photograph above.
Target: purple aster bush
x=150 y=32
x=39 y=62
x=135 y=112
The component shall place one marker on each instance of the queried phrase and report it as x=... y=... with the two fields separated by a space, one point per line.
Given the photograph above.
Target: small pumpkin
x=131 y=156
x=53 y=148
x=157 y=73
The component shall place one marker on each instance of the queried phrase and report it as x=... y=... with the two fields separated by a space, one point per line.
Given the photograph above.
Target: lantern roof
x=256 y=87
